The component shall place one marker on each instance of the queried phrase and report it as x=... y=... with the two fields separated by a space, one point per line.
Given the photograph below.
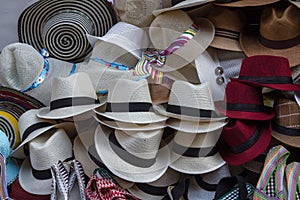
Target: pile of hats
x=151 y=100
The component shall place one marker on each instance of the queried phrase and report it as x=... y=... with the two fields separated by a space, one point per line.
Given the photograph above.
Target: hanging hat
x=278 y=34
x=267 y=71
x=12 y=105
x=70 y=96
x=30 y=127
x=60 y=26
x=134 y=156
x=244 y=101
x=243 y=3
x=228 y=25
x=286 y=124
x=251 y=138
x=178 y=40
x=130 y=101
x=195 y=153
x=44 y=151
x=11 y=168
x=192 y=102
x=156 y=190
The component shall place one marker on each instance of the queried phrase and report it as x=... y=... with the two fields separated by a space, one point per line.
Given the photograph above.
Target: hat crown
x=143 y=144
x=48 y=148
x=277 y=24
x=5 y=149
x=198 y=140
x=20 y=65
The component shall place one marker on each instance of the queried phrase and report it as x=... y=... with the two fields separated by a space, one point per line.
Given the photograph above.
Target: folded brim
x=226 y=44
x=293 y=141
x=143 y=195
x=126 y=170
x=245 y=3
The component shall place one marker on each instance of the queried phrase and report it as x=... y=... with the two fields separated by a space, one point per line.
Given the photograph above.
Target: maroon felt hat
x=243 y=101
x=268 y=71
x=243 y=140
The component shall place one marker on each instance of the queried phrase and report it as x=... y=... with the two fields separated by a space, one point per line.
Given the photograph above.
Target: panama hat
x=13 y=104
x=44 y=151
x=179 y=39
x=228 y=25
x=124 y=126
x=192 y=102
x=24 y=68
x=243 y=3
x=251 y=139
x=11 y=168
x=30 y=127
x=267 y=71
x=195 y=153
x=130 y=101
x=60 y=26
x=134 y=156
x=156 y=190
x=274 y=37
x=70 y=96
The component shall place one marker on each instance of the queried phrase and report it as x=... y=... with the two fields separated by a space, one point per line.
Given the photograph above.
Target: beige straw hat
x=243 y=3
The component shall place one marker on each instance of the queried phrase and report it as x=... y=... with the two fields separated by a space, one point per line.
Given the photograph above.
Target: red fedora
x=244 y=101
x=243 y=140
x=268 y=71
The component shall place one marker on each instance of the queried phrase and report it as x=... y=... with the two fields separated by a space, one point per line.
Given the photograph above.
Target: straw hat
x=243 y=3
x=30 y=127
x=70 y=96
x=156 y=190
x=133 y=156
x=190 y=102
x=13 y=104
x=276 y=36
x=168 y=26
x=195 y=153
x=228 y=25
x=60 y=26
x=130 y=101
x=35 y=175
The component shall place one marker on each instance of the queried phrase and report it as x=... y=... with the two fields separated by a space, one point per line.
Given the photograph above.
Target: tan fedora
x=278 y=34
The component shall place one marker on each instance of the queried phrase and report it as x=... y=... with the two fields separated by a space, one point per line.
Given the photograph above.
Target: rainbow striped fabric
x=292 y=174
x=152 y=57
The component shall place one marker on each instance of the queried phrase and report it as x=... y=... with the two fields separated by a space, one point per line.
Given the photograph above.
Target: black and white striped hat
x=60 y=26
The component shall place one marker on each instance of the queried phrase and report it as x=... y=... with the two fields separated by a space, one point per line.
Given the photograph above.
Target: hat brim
x=245 y=3
x=226 y=44
x=126 y=170
x=293 y=141
x=12 y=171
x=195 y=127
x=134 y=190
x=251 y=46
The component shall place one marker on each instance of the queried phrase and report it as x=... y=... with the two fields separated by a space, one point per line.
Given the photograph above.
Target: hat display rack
x=150 y=99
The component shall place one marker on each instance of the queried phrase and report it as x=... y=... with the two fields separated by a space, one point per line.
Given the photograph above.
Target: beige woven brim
x=143 y=195
x=187 y=73
x=251 y=46
x=126 y=170
x=293 y=141
x=226 y=44
x=181 y=5
x=244 y=3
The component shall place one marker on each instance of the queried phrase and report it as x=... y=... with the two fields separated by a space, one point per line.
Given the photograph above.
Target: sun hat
x=60 y=26
x=178 y=40
x=125 y=126
x=71 y=96
x=13 y=104
x=251 y=139
x=245 y=102
x=156 y=190
x=286 y=127
x=228 y=25
x=35 y=175
x=130 y=101
x=195 y=153
x=30 y=127
x=205 y=185
x=192 y=102
x=243 y=3
x=11 y=168
x=134 y=156
x=274 y=37
x=180 y=5
x=267 y=71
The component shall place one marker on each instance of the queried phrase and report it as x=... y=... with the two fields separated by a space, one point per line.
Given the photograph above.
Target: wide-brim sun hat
x=60 y=26
x=126 y=164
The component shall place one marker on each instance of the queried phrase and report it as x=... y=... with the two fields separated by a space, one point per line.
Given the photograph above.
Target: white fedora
x=44 y=151
x=130 y=101
x=191 y=102
x=133 y=156
x=195 y=153
x=70 y=96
